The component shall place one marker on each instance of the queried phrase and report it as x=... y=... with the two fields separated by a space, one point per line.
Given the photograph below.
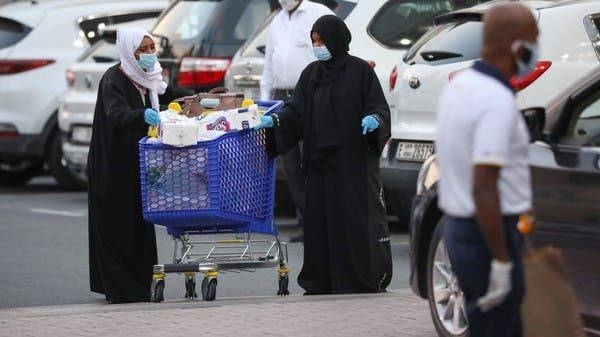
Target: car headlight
x=81 y=134
x=428 y=175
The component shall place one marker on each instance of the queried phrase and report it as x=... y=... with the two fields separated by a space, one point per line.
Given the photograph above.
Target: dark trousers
x=471 y=260
x=292 y=167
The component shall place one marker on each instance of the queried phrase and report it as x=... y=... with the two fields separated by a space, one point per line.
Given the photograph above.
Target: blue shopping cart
x=224 y=187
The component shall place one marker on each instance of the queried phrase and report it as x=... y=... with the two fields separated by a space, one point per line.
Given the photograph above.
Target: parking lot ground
x=396 y=313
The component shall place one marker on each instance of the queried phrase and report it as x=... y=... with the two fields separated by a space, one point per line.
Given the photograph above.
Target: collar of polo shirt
x=302 y=6
x=487 y=69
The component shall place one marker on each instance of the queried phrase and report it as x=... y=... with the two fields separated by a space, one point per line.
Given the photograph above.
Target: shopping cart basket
x=224 y=186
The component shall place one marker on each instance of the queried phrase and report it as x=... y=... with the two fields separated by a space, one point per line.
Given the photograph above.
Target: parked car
x=454 y=44
x=245 y=72
x=76 y=109
x=199 y=38
x=565 y=168
x=38 y=42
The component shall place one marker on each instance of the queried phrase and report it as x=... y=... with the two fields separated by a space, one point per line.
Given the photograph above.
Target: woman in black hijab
x=338 y=109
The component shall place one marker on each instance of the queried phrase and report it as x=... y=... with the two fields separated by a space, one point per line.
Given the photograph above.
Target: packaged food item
x=179 y=134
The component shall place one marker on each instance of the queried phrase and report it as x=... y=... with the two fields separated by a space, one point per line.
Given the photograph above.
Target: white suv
x=38 y=42
x=569 y=50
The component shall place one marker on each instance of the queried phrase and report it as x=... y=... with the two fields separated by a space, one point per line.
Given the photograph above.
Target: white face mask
x=289 y=5
x=531 y=55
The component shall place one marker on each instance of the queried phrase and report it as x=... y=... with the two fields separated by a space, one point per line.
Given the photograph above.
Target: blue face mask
x=322 y=53
x=147 y=61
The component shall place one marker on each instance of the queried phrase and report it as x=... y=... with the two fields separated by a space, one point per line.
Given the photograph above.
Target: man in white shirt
x=288 y=51
x=482 y=151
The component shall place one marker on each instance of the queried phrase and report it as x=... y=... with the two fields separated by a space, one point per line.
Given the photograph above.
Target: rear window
x=448 y=43
x=11 y=32
x=400 y=23
x=91 y=27
x=223 y=22
x=256 y=45
x=101 y=52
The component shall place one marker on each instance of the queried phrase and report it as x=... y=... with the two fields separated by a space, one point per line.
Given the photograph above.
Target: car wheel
x=446 y=299
x=65 y=178
x=20 y=173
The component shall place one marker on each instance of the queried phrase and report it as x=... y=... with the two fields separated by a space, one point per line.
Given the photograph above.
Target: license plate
x=82 y=134
x=417 y=152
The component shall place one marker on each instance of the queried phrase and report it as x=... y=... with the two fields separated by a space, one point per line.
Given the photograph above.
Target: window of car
x=185 y=20
x=91 y=28
x=586 y=126
x=451 y=42
x=252 y=17
x=400 y=23
x=11 y=32
x=592 y=27
x=102 y=52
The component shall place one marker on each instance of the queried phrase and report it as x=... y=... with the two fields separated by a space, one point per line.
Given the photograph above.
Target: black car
x=199 y=38
x=565 y=168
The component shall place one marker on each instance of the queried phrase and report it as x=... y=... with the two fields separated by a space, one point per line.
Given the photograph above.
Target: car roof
x=31 y=13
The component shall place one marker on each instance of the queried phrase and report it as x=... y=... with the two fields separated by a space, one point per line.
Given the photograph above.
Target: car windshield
x=256 y=44
x=224 y=22
x=452 y=42
x=400 y=23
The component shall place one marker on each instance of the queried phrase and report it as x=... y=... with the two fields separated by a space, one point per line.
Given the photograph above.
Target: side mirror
x=535 y=118
x=262 y=49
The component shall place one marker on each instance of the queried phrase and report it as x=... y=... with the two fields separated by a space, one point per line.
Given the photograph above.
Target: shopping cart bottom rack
x=223 y=188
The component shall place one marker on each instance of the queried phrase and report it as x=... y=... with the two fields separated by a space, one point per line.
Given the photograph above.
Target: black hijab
x=322 y=116
x=336 y=36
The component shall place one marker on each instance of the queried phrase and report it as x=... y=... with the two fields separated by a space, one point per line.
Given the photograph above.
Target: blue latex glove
x=369 y=124
x=151 y=117
x=265 y=122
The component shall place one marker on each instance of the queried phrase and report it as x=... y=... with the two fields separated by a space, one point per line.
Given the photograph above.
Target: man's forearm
x=487 y=214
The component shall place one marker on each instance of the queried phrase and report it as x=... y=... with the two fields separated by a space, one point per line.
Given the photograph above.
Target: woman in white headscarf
x=122 y=244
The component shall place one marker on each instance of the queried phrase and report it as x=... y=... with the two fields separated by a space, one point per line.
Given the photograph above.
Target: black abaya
x=122 y=245
x=346 y=237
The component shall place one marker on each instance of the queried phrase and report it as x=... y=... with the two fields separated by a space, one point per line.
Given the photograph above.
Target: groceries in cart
x=177 y=129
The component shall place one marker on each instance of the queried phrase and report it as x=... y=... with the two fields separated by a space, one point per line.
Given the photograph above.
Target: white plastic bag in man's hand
x=499 y=287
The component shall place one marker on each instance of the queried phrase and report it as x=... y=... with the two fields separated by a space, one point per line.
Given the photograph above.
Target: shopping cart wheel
x=284 y=282
x=209 y=289
x=190 y=287
x=158 y=288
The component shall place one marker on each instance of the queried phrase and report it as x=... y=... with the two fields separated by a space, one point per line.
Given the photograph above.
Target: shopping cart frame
x=239 y=253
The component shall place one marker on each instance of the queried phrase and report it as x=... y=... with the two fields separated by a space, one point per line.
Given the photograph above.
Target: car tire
x=443 y=292
x=17 y=175
x=66 y=179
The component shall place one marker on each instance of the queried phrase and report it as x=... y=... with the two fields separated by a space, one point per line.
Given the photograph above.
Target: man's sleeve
x=266 y=82
x=492 y=132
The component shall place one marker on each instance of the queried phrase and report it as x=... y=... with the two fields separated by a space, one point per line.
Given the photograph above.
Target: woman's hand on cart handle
x=369 y=124
x=151 y=117
x=265 y=122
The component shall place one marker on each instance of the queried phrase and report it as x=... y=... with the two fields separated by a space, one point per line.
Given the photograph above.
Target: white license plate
x=82 y=134
x=417 y=152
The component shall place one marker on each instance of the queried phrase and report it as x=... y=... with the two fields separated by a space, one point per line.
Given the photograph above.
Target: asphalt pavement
x=44 y=252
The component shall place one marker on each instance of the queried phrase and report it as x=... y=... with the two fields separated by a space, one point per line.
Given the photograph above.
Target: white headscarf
x=128 y=41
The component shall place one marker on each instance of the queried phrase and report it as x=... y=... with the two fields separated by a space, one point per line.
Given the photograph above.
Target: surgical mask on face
x=322 y=53
x=531 y=55
x=147 y=61
x=289 y=5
